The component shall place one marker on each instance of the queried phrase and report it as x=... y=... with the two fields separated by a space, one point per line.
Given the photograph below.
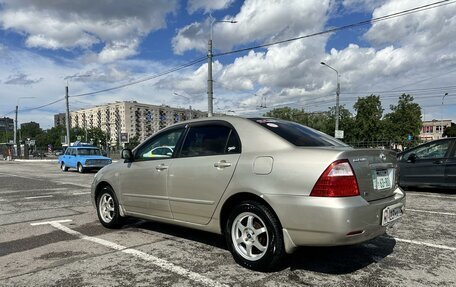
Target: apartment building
x=6 y=124
x=132 y=118
x=432 y=130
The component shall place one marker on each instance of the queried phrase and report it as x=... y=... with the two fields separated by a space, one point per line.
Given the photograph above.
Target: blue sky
x=43 y=41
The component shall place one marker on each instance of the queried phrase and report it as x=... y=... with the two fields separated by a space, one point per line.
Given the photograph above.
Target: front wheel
x=254 y=236
x=63 y=166
x=108 y=208
x=80 y=168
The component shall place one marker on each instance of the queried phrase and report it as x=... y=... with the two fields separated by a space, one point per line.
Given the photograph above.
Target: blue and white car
x=83 y=158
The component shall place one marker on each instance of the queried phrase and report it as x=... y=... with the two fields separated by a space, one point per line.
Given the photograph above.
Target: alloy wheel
x=250 y=236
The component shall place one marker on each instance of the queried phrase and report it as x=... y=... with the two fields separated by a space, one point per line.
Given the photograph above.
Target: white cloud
x=207 y=5
x=256 y=21
x=118 y=25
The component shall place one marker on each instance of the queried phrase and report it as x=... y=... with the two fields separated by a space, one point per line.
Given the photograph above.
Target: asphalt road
x=50 y=236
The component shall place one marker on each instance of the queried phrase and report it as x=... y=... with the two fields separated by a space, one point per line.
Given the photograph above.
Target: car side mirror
x=127 y=155
x=412 y=158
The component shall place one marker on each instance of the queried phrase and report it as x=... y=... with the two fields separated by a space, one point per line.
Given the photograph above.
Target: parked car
x=267 y=185
x=429 y=165
x=83 y=158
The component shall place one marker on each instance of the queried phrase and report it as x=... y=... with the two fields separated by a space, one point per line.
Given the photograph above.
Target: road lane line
x=147 y=257
x=432 y=196
x=38 y=197
x=425 y=244
x=49 y=222
x=431 y=212
x=33 y=190
x=81 y=193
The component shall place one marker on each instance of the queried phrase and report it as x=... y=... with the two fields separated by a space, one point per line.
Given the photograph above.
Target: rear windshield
x=297 y=134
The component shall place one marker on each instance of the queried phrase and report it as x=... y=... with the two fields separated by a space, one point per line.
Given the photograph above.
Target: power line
x=172 y=70
x=349 y=26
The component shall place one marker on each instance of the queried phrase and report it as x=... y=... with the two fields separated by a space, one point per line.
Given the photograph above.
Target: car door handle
x=439 y=161
x=161 y=167
x=222 y=164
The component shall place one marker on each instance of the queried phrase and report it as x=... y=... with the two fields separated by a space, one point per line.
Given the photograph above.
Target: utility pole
x=15 y=132
x=210 y=86
x=210 y=93
x=67 y=116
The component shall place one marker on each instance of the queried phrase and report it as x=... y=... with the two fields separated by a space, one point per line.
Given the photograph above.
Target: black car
x=432 y=164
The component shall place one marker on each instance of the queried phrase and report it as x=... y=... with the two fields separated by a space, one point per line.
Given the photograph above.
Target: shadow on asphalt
x=328 y=260
x=341 y=259
x=450 y=191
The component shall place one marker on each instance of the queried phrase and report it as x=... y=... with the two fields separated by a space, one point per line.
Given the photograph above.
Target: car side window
x=432 y=151
x=234 y=144
x=160 y=146
x=206 y=140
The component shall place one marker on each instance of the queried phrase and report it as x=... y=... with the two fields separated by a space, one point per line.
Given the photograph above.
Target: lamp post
x=210 y=87
x=337 y=96
x=441 y=115
x=67 y=104
x=15 y=123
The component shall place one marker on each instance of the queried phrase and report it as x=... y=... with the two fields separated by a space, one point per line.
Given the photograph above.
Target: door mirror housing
x=412 y=158
x=127 y=155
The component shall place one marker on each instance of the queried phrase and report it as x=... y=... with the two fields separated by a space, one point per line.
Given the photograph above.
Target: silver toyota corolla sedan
x=267 y=185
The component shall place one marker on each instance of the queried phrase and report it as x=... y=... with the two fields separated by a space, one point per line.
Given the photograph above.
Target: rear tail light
x=338 y=180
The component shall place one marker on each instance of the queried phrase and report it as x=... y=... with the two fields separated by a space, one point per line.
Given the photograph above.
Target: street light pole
x=15 y=123
x=441 y=115
x=210 y=86
x=337 y=95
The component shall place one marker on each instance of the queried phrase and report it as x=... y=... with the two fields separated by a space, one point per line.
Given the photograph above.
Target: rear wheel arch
x=238 y=198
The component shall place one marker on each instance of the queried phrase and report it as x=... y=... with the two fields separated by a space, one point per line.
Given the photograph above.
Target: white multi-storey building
x=130 y=117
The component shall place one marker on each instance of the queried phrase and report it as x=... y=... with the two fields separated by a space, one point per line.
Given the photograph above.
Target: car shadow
x=327 y=260
x=342 y=259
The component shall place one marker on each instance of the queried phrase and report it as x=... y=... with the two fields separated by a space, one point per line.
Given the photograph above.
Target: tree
x=97 y=136
x=368 y=125
x=132 y=142
x=403 y=120
x=450 y=131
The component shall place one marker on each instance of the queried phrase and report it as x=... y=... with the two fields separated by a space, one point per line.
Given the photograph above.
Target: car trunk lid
x=375 y=171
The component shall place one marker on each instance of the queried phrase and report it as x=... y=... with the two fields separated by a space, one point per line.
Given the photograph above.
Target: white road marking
x=1 y=199
x=426 y=244
x=433 y=196
x=49 y=222
x=34 y=190
x=37 y=197
x=150 y=258
x=81 y=193
x=431 y=212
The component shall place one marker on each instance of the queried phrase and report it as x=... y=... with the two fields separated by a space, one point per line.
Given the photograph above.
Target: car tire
x=108 y=208
x=81 y=169
x=254 y=236
x=63 y=166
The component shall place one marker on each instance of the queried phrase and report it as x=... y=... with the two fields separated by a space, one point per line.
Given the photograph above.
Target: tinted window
x=160 y=146
x=233 y=145
x=297 y=134
x=430 y=151
x=205 y=141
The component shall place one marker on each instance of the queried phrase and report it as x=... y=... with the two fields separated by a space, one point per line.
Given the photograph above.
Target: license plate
x=391 y=213
x=382 y=180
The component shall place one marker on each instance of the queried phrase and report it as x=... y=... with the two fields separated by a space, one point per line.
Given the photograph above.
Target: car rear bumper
x=321 y=221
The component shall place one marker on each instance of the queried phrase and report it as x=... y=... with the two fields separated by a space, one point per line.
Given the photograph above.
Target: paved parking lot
x=50 y=236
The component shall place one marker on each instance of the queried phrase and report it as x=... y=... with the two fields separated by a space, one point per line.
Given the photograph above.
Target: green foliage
x=5 y=137
x=367 y=124
x=404 y=119
x=450 y=131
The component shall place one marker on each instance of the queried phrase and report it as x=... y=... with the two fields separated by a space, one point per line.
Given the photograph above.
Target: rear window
x=297 y=134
